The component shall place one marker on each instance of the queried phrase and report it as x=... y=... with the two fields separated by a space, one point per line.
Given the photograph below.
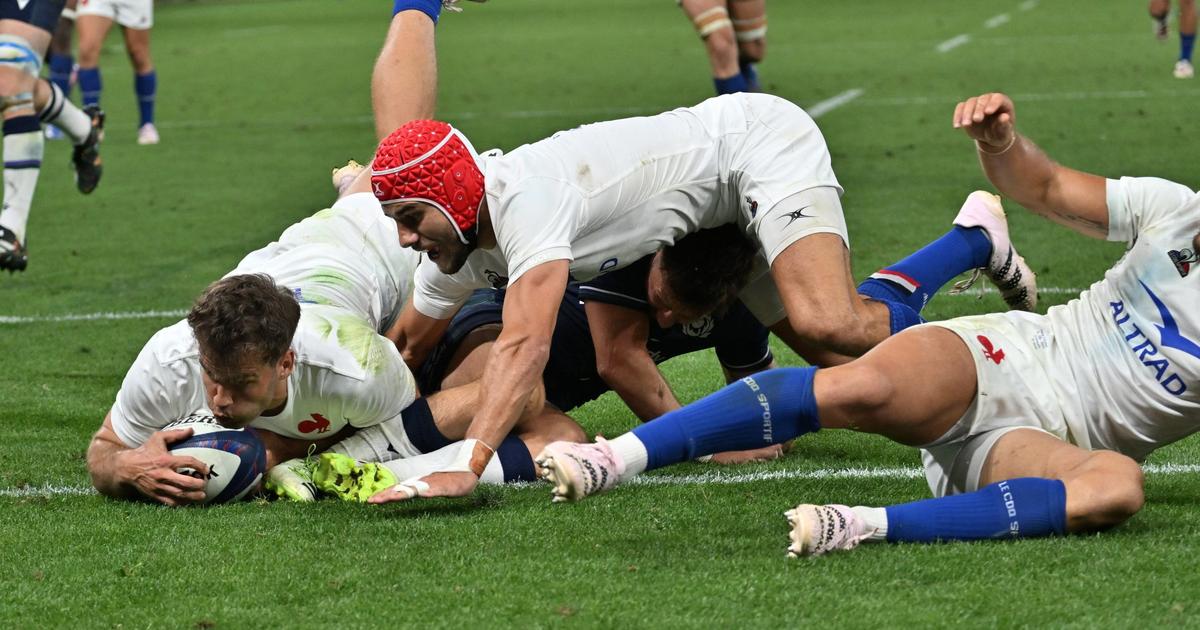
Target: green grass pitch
x=258 y=99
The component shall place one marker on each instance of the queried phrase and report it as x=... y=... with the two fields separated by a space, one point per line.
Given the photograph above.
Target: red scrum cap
x=430 y=161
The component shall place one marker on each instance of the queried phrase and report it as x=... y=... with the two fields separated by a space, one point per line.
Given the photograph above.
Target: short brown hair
x=706 y=269
x=243 y=319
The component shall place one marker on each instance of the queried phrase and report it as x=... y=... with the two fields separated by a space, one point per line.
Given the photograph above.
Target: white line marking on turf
x=824 y=107
x=717 y=478
x=1028 y=5
x=996 y=20
x=953 y=42
x=78 y=317
x=176 y=313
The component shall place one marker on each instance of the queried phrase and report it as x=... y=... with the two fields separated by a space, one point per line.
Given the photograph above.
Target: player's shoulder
x=172 y=344
x=334 y=343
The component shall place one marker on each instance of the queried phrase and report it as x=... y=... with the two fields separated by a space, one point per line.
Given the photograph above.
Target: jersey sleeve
x=1137 y=203
x=384 y=393
x=151 y=396
x=741 y=342
x=439 y=295
x=623 y=287
x=536 y=224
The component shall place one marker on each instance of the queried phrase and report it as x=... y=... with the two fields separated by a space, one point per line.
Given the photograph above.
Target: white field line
x=824 y=107
x=996 y=20
x=1028 y=5
x=953 y=42
x=177 y=313
x=714 y=478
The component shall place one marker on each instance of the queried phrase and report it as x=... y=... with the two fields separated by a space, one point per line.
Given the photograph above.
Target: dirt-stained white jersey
x=607 y=194
x=347 y=256
x=345 y=374
x=1129 y=346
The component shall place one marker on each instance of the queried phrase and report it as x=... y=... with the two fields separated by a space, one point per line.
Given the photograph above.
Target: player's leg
x=749 y=19
x=1187 y=39
x=712 y=23
x=22 y=46
x=92 y=25
x=145 y=81
x=404 y=80
x=62 y=59
x=1159 y=12
x=1031 y=484
x=84 y=127
x=911 y=388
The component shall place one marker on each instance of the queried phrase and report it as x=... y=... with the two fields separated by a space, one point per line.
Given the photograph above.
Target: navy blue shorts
x=570 y=375
x=40 y=13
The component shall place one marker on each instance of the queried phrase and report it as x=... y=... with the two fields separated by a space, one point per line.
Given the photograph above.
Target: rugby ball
x=236 y=458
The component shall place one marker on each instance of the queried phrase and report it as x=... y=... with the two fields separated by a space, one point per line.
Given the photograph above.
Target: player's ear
x=287 y=363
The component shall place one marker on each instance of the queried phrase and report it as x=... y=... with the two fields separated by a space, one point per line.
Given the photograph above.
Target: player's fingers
x=182 y=481
x=958 y=109
x=965 y=111
x=391 y=495
x=175 y=462
x=174 y=435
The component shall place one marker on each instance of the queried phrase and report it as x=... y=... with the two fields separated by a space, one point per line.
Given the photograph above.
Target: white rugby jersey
x=607 y=194
x=348 y=256
x=1129 y=360
x=346 y=374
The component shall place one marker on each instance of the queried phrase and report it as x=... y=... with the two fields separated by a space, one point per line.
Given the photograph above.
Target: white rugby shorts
x=135 y=14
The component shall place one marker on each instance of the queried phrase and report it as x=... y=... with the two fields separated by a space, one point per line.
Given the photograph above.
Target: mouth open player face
x=425 y=229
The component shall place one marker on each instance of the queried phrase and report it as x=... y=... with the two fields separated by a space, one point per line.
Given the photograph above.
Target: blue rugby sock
x=735 y=83
x=432 y=8
x=1017 y=508
x=420 y=427
x=90 y=85
x=515 y=460
x=750 y=74
x=60 y=72
x=914 y=280
x=146 y=86
x=1186 y=42
x=767 y=408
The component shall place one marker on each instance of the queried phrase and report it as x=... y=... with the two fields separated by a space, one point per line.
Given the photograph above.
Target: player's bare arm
x=619 y=335
x=1024 y=173
x=147 y=471
x=415 y=334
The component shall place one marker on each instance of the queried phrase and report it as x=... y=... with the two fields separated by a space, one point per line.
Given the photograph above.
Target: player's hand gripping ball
x=236 y=458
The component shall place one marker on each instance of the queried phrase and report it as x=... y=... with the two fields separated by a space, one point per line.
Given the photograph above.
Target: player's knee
x=1113 y=490
x=751 y=51
x=863 y=391
x=721 y=45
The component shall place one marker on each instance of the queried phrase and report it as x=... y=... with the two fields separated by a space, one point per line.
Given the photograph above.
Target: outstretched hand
x=439 y=484
x=989 y=119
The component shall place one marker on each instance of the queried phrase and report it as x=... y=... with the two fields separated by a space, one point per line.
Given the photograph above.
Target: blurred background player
x=1160 y=11
x=735 y=37
x=136 y=17
x=27 y=101
x=61 y=60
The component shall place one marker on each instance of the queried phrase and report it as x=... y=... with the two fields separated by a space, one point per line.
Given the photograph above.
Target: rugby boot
x=86 y=157
x=819 y=529
x=349 y=479
x=343 y=176
x=1006 y=268
x=293 y=480
x=13 y=255
x=579 y=470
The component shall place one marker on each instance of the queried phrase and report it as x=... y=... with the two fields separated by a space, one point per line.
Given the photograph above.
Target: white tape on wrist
x=473 y=457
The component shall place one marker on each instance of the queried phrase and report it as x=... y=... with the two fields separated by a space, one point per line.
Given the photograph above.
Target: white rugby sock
x=63 y=114
x=876 y=518
x=23 y=145
x=629 y=449
x=422 y=465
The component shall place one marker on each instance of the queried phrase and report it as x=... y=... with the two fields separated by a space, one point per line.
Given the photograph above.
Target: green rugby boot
x=292 y=480
x=349 y=479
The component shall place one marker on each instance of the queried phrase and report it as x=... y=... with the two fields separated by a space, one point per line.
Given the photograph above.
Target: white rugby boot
x=147 y=134
x=292 y=480
x=579 y=470
x=343 y=176
x=1006 y=269
x=1184 y=69
x=819 y=529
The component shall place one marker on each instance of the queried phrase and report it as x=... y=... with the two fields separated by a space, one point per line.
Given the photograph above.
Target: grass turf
x=259 y=99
